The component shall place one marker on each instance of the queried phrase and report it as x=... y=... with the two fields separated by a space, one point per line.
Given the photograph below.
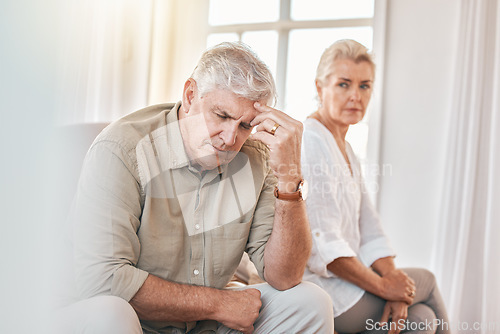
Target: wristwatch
x=299 y=195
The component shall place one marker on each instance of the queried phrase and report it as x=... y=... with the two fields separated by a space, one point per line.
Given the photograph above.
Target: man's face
x=215 y=126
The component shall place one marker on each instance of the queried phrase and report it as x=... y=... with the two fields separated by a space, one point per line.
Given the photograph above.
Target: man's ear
x=189 y=93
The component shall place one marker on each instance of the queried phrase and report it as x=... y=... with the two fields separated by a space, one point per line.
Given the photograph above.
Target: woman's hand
x=398 y=286
x=398 y=312
x=283 y=136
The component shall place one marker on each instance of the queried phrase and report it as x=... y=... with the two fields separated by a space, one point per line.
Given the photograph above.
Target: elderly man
x=171 y=196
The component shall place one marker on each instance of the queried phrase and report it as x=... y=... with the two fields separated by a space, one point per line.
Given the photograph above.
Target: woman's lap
x=427 y=306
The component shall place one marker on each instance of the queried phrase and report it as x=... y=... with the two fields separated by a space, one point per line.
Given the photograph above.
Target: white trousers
x=305 y=308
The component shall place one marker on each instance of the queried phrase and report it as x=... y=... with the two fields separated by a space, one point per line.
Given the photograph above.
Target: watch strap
x=295 y=196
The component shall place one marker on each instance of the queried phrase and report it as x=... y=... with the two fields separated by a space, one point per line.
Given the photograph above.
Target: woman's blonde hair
x=341 y=49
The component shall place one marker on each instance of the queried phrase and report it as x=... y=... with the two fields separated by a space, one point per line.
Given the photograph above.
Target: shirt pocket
x=165 y=244
x=228 y=244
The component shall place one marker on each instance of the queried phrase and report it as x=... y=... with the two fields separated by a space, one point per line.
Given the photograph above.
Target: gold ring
x=412 y=294
x=275 y=127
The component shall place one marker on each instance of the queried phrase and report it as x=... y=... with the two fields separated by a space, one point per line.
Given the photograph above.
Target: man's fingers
x=254 y=292
x=246 y=330
x=269 y=126
x=264 y=137
x=270 y=113
x=262 y=107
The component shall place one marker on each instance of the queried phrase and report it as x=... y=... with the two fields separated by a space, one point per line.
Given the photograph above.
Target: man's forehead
x=243 y=109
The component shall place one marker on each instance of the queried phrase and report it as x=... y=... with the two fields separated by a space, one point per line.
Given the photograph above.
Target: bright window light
x=265 y=44
x=214 y=39
x=331 y=9
x=223 y=12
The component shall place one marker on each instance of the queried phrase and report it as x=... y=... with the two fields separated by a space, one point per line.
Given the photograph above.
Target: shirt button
x=196 y=272
x=317 y=234
x=197 y=226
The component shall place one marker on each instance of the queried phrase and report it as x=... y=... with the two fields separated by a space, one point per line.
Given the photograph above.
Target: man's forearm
x=289 y=245
x=160 y=300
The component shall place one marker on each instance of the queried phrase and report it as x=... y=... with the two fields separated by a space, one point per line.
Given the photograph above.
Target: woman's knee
x=421 y=319
x=420 y=274
x=424 y=279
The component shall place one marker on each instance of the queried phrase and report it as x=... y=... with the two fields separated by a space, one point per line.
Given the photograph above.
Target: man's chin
x=213 y=161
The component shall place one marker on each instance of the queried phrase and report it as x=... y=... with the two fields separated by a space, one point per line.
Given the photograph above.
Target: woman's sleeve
x=323 y=210
x=374 y=242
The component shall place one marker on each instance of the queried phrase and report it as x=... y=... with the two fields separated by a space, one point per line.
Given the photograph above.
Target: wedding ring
x=412 y=294
x=275 y=127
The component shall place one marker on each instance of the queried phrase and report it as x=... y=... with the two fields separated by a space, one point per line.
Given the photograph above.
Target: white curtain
x=467 y=251
x=121 y=55
x=179 y=38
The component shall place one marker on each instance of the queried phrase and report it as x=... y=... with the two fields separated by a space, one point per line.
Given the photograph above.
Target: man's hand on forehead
x=283 y=136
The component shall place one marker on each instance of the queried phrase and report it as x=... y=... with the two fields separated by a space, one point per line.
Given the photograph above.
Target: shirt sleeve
x=374 y=242
x=262 y=223
x=106 y=217
x=323 y=208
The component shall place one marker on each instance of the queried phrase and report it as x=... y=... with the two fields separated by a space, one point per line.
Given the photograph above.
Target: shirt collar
x=178 y=157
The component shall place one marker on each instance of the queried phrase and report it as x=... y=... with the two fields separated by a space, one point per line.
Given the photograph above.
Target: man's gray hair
x=233 y=66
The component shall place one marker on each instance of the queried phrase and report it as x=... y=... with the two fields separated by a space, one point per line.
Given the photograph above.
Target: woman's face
x=345 y=95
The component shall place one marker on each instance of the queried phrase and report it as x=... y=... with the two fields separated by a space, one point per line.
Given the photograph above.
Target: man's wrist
x=289 y=185
x=299 y=193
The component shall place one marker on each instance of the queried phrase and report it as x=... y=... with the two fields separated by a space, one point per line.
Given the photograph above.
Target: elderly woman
x=351 y=256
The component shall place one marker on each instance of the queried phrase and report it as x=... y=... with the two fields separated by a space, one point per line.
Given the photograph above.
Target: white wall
x=28 y=67
x=418 y=81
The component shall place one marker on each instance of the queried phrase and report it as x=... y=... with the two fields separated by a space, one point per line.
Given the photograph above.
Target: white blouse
x=343 y=221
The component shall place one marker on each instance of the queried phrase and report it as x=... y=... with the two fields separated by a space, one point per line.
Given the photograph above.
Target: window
x=290 y=36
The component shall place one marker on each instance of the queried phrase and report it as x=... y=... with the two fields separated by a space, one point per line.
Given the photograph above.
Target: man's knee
x=114 y=314
x=102 y=314
x=311 y=297
x=311 y=304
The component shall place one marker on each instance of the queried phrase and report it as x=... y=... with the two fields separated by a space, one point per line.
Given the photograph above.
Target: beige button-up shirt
x=141 y=209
